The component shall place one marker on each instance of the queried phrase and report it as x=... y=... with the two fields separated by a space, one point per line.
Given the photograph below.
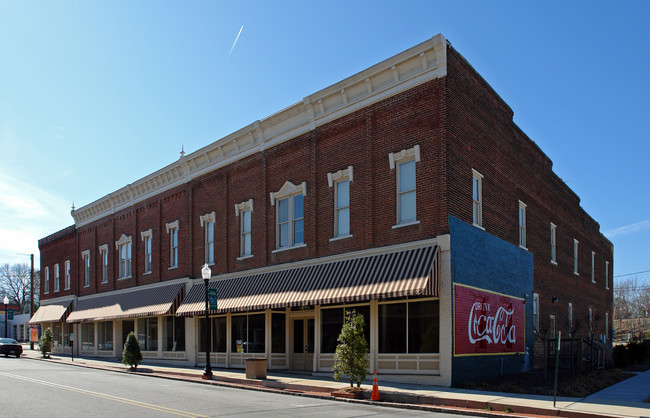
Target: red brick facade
x=460 y=124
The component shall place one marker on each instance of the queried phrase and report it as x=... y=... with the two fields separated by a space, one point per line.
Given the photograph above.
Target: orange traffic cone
x=375 y=388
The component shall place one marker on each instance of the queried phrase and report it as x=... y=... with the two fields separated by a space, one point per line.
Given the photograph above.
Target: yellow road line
x=105 y=396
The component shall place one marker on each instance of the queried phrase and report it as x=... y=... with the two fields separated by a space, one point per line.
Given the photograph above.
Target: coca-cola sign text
x=487 y=322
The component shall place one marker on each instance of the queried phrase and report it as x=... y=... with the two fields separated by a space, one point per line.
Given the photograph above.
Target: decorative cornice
x=172 y=225
x=123 y=240
x=347 y=174
x=240 y=207
x=288 y=189
x=417 y=65
x=405 y=154
x=208 y=217
x=147 y=233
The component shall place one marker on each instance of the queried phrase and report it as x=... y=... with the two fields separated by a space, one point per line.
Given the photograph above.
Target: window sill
x=523 y=248
x=478 y=226
x=68 y=288
x=104 y=282
x=576 y=273
x=279 y=250
x=246 y=257
x=341 y=237
x=146 y=273
x=86 y=285
x=124 y=278
x=172 y=267
x=554 y=262
x=405 y=224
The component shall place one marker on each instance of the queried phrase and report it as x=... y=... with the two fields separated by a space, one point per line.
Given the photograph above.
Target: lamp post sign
x=212 y=299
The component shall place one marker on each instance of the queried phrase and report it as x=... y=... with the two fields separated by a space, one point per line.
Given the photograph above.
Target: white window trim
x=576 y=250
x=144 y=235
x=553 y=243
x=552 y=325
x=123 y=241
x=288 y=190
x=332 y=181
x=606 y=274
x=520 y=227
x=46 y=284
x=56 y=278
x=404 y=156
x=593 y=271
x=205 y=219
x=173 y=226
x=103 y=248
x=570 y=318
x=479 y=202
x=66 y=274
x=606 y=326
x=85 y=254
x=240 y=208
x=395 y=159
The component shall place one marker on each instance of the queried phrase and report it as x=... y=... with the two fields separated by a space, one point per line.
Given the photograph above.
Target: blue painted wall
x=482 y=260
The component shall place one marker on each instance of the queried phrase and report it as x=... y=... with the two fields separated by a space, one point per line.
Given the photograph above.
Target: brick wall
x=482 y=260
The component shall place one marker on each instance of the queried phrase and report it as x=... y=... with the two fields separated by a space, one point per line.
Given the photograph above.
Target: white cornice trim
x=172 y=225
x=208 y=217
x=417 y=65
x=123 y=240
x=246 y=205
x=341 y=175
x=288 y=189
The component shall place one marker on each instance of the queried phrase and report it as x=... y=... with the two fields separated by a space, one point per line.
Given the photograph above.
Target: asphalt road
x=30 y=388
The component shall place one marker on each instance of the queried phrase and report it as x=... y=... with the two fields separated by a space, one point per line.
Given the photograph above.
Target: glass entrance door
x=302 y=351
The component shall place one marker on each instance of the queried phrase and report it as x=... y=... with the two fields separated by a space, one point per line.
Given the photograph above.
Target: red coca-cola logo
x=487 y=322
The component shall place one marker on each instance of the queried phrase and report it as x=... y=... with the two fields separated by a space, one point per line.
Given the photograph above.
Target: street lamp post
x=206 y=272
x=6 y=302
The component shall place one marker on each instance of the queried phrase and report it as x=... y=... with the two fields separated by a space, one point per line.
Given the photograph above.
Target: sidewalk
x=624 y=399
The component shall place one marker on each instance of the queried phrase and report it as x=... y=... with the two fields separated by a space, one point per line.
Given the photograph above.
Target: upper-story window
x=207 y=223
x=290 y=218
x=570 y=319
x=56 y=277
x=85 y=255
x=147 y=240
x=553 y=245
x=536 y=311
x=172 y=230
x=244 y=211
x=477 y=198
x=103 y=252
x=606 y=274
x=46 y=281
x=522 y=224
x=66 y=271
x=341 y=182
x=123 y=246
x=593 y=270
x=405 y=161
x=575 y=256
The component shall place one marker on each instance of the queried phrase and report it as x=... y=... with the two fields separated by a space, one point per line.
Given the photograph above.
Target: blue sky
x=95 y=95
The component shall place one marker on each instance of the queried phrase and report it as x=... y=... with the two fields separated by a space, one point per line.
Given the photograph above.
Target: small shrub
x=45 y=344
x=131 y=355
x=350 y=355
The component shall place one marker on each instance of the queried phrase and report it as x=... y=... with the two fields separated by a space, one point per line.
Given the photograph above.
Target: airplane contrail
x=236 y=39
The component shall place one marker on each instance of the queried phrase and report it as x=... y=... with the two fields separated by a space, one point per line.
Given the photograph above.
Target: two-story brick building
x=405 y=192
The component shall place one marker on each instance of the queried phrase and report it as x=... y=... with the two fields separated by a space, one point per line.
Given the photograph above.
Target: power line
x=632 y=274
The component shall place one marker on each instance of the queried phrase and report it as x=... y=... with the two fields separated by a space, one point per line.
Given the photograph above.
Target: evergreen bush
x=45 y=344
x=350 y=355
x=131 y=355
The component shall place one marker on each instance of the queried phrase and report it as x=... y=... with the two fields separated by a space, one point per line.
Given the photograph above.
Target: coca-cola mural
x=487 y=322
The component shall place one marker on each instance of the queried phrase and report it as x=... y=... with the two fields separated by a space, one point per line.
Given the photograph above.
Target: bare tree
x=631 y=308
x=15 y=282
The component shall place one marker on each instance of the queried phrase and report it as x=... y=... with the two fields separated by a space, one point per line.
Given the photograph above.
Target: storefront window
x=173 y=333
x=148 y=334
x=66 y=335
x=56 y=334
x=87 y=336
x=105 y=335
x=218 y=334
x=332 y=323
x=412 y=325
x=278 y=332
x=248 y=334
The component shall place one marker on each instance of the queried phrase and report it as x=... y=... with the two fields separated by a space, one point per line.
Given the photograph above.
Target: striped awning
x=159 y=300
x=53 y=312
x=396 y=274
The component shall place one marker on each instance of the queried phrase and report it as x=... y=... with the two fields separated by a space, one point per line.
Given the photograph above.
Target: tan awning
x=152 y=301
x=391 y=275
x=53 y=312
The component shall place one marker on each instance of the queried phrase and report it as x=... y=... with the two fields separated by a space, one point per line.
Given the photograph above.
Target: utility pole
x=31 y=294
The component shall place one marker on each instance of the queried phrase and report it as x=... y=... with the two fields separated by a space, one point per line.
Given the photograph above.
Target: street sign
x=10 y=314
x=212 y=299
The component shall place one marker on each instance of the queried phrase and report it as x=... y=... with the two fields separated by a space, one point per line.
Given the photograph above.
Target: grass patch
x=578 y=385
